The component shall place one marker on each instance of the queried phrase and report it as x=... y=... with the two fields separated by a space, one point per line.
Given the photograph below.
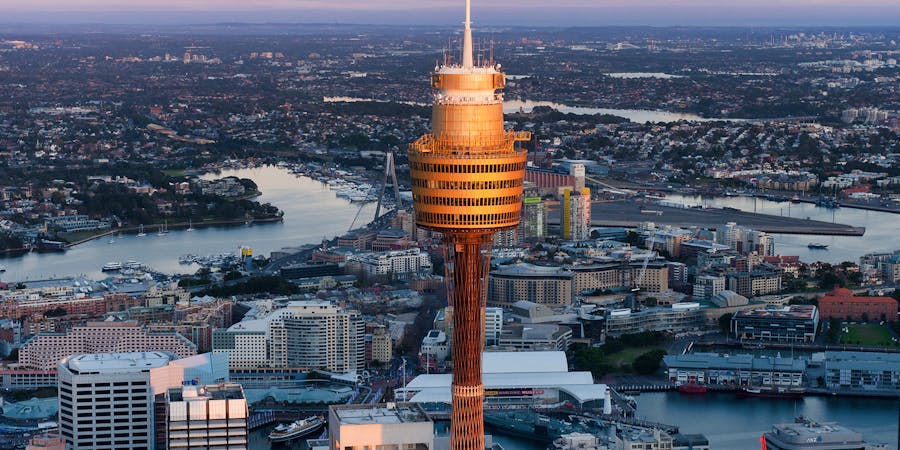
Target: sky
x=446 y=12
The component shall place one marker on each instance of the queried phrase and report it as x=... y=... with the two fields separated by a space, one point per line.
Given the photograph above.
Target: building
x=210 y=416
x=538 y=284
x=51 y=441
x=46 y=349
x=708 y=286
x=310 y=334
x=793 y=323
x=808 y=435
x=741 y=370
x=398 y=264
x=842 y=304
x=729 y=299
x=576 y=215
x=534 y=220
x=106 y=400
x=752 y=284
x=680 y=317
x=514 y=380
x=536 y=337
x=382 y=345
x=493 y=324
x=399 y=426
x=861 y=371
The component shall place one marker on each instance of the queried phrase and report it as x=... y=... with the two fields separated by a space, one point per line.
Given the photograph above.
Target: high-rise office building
x=106 y=400
x=212 y=416
x=467 y=177
x=576 y=215
x=534 y=219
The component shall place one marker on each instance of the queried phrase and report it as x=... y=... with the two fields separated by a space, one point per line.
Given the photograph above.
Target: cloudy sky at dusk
x=525 y=12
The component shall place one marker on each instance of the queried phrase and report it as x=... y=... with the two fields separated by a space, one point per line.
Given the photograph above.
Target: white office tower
x=207 y=417
x=400 y=426
x=106 y=400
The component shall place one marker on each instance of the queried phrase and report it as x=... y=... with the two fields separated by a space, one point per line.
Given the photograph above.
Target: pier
x=630 y=214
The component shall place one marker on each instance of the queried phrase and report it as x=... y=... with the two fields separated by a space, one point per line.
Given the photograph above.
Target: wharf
x=630 y=215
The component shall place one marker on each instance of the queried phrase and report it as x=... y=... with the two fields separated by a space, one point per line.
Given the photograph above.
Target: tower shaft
x=469 y=272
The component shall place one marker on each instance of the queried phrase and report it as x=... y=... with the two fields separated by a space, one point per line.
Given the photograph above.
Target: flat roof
x=117 y=362
x=384 y=413
x=225 y=391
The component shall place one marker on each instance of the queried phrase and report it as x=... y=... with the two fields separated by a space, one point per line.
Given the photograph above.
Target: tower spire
x=467 y=38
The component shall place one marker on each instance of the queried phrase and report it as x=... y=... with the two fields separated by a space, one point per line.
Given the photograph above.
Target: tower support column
x=468 y=260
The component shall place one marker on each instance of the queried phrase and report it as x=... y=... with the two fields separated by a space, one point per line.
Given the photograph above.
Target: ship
x=807 y=434
x=533 y=426
x=795 y=199
x=304 y=427
x=112 y=267
x=826 y=202
x=817 y=246
x=692 y=388
x=771 y=392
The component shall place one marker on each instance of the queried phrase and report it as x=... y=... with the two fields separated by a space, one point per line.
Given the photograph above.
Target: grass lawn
x=175 y=173
x=627 y=356
x=866 y=335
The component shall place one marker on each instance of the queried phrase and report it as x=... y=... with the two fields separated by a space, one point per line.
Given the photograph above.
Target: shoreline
x=177 y=225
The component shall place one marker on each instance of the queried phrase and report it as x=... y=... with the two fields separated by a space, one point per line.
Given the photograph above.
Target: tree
x=648 y=363
x=725 y=322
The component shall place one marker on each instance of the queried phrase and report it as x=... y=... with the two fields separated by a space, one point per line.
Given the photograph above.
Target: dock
x=629 y=214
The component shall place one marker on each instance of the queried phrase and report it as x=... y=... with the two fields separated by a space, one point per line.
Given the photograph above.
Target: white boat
x=164 y=230
x=141 y=231
x=2 y=268
x=190 y=225
x=111 y=267
x=304 y=427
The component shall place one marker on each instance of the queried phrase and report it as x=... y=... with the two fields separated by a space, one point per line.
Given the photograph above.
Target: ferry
x=692 y=388
x=771 y=392
x=2 y=268
x=817 y=246
x=111 y=267
x=303 y=427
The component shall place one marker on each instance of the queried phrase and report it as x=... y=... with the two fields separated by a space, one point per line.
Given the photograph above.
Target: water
x=634 y=115
x=512 y=106
x=311 y=212
x=660 y=75
x=880 y=235
x=732 y=423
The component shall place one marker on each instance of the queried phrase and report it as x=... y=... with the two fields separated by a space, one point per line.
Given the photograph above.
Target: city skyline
x=527 y=13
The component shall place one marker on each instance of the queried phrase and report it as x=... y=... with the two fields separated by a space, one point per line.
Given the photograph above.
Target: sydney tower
x=467 y=179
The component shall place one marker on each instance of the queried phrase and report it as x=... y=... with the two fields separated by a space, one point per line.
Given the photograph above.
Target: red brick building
x=842 y=304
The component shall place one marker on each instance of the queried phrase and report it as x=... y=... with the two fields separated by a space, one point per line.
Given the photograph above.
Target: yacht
x=303 y=427
x=190 y=225
x=164 y=230
x=141 y=231
x=817 y=246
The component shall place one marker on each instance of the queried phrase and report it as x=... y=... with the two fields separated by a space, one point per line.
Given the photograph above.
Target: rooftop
x=224 y=391
x=385 y=413
x=117 y=362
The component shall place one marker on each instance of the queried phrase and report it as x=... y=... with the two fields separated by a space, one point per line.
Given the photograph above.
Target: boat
x=771 y=392
x=2 y=268
x=303 y=427
x=164 y=230
x=691 y=388
x=111 y=267
x=141 y=231
x=817 y=246
x=190 y=225
x=830 y=203
x=112 y=240
x=795 y=199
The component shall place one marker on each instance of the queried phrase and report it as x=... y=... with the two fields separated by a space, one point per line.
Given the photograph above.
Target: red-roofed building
x=842 y=304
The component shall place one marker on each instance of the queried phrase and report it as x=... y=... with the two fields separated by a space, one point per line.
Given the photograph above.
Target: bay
x=312 y=212
x=880 y=235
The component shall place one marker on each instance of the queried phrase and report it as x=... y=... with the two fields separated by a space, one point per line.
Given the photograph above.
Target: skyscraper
x=576 y=216
x=467 y=177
